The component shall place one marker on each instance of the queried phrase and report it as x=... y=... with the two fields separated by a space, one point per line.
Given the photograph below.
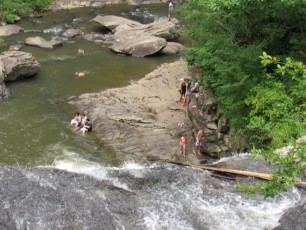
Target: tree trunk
x=263 y=176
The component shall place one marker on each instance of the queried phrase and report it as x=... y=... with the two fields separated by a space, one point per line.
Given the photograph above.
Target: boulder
x=4 y=92
x=112 y=22
x=8 y=30
x=70 y=33
x=140 y=46
x=163 y=29
x=15 y=47
x=18 y=64
x=136 y=39
x=42 y=43
x=99 y=38
x=172 y=48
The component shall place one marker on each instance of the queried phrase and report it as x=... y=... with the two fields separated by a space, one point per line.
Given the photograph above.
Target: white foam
x=53 y=30
x=238 y=156
x=73 y=162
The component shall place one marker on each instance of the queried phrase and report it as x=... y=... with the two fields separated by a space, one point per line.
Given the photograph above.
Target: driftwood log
x=263 y=176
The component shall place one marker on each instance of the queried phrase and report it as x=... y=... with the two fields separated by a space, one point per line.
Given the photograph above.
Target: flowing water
x=75 y=182
x=34 y=127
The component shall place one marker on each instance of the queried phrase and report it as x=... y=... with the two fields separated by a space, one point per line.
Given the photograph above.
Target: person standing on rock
x=195 y=88
x=170 y=10
x=188 y=93
x=199 y=138
x=182 y=91
x=183 y=143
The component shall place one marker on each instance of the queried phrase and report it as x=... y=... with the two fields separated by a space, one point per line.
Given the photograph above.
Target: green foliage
x=277 y=105
x=10 y=9
x=227 y=38
x=290 y=167
x=264 y=99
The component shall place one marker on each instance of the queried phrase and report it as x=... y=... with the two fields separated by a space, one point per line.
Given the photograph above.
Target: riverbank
x=141 y=120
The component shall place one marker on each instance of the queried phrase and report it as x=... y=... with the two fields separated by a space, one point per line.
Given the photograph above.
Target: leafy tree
x=264 y=99
x=278 y=104
x=227 y=39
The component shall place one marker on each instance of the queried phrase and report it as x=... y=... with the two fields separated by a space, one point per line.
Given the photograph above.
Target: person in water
x=79 y=74
x=87 y=126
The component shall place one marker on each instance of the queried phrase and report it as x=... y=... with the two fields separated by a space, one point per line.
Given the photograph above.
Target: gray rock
x=112 y=22
x=70 y=33
x=172 y=48
x=99 y=38
x=8 y=30
x=42 y=43
x=15 y=47
x=18 y=64
x=140 y=47
x=136 y=39
x=4 y=92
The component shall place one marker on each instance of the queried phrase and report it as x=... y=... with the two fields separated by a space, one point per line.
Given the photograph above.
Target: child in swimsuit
x=183 y=143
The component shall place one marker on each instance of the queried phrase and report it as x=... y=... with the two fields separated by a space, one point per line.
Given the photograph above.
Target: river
x=54 y=178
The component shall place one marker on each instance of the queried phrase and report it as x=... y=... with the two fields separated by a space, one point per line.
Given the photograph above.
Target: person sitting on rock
x=75 y=121
x=87 y=126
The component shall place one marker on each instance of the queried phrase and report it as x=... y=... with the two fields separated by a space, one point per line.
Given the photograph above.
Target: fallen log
x=263 y=176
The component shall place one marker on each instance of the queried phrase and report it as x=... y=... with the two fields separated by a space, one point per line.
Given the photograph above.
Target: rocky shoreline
x=141 y=120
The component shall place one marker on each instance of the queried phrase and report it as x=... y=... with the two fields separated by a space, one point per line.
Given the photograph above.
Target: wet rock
x=42 y=43
x=70 y=33
x=15 y=65
x=8 y=30
x=95 y=37
x=18 y=64
x=293 y=219
x=16 y=47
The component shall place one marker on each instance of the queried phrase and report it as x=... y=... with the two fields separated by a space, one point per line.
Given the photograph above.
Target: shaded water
x=34 y=127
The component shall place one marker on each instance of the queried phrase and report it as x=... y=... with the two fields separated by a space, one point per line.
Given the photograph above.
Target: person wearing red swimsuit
x=183 y=143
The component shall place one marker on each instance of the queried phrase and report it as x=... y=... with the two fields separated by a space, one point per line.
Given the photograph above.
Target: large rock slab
x=112 y=22
x=136 y=39
x=164 y=29
x=141 y=119
x=8 y=30
x=18 y=64
x=42 y=43
x=140 y=46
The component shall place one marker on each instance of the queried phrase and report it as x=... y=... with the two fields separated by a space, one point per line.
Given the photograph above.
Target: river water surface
x=75 y=182
x=35 y=121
